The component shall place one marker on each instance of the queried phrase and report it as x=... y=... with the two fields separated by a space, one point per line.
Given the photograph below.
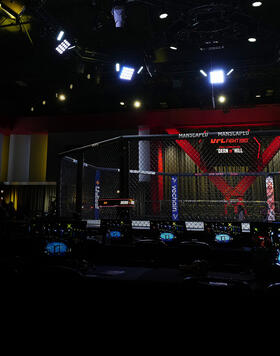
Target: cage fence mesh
x=206 y=178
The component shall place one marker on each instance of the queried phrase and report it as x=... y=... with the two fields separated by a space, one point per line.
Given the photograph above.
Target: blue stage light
x=63 y=47
x=60 y=36
x=217 y=77
x=127 y=73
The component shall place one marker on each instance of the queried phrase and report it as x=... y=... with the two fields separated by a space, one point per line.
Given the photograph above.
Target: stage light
x=203 y=73
x=12 y=8
x=88 y=76
x=122 y=103
x=60 y=36
x=118 y=67
x=71 y=86
x=32 y=109
x=140 y=70
x=258 y=96
x=61 y=97
x=174 y=48
x=137 y=104
x=127 y=73
x=229 y=73
x=222 y=99
x=118 y=12
x=63 y=47
x=44 y=102
x=217 y=77
x=163 y=15
x=257 y=4
x=252 y=39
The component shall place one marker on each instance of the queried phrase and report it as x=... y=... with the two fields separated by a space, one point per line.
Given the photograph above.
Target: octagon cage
x=190 y=176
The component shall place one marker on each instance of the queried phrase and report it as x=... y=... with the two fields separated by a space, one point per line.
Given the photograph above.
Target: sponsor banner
x=270 y=199
x=96 y=194
x=174 y=198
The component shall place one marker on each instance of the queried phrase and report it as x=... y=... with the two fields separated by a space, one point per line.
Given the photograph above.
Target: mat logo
x=174 y=198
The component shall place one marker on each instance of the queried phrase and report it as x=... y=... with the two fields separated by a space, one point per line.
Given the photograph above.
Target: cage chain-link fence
x=183 y=176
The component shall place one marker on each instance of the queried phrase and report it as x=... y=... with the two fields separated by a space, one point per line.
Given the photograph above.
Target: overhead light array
x=63 y=47
x=127 y=73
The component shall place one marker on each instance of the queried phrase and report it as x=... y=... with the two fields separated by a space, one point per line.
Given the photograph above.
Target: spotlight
x=137 y=104
x=140 y=70
x=252 y=39
x=12 y=8
x=61 y=97
x=127 y=73
x=257 y=4
x=60 y=36
x=222 y=99
x=258 y=96
x=63 y=47
x=203 y=73
x=229 y=73
x=118 y=12
x=163 y=15
x=32 y=108
x=217 y=77
x=118 y=67
x=174 y=48
x=122 y=103
x=44 y=102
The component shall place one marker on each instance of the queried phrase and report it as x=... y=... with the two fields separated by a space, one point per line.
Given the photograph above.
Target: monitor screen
x=115 y=234
x=167 y=236
x=222 y=238
x=56 y=249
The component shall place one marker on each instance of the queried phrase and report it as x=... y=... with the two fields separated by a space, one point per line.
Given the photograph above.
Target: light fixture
x=12 y=8
x=137 y=104
x=122 y=103
x=127 y=73
x=163 y=15
x=217 y=77
x=61 y=97
x=71 y=86
x=118 y=67
x=258 y=96
x=60 y=36
x=32 y=109
x=257 y=4
x=203 y=73
x=140 y=70
x=229 y=73
x=44 y=102
x=88 y=76
x=118 y=12
x=174 y=48
x=222 y=99
x=63 y=47
x=252 y=39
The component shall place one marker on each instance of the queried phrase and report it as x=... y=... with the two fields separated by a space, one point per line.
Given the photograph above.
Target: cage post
x=79 y=184
x=124 y=175
x=58 y=187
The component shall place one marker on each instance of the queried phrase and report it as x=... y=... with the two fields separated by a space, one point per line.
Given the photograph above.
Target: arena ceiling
x=207 y=34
